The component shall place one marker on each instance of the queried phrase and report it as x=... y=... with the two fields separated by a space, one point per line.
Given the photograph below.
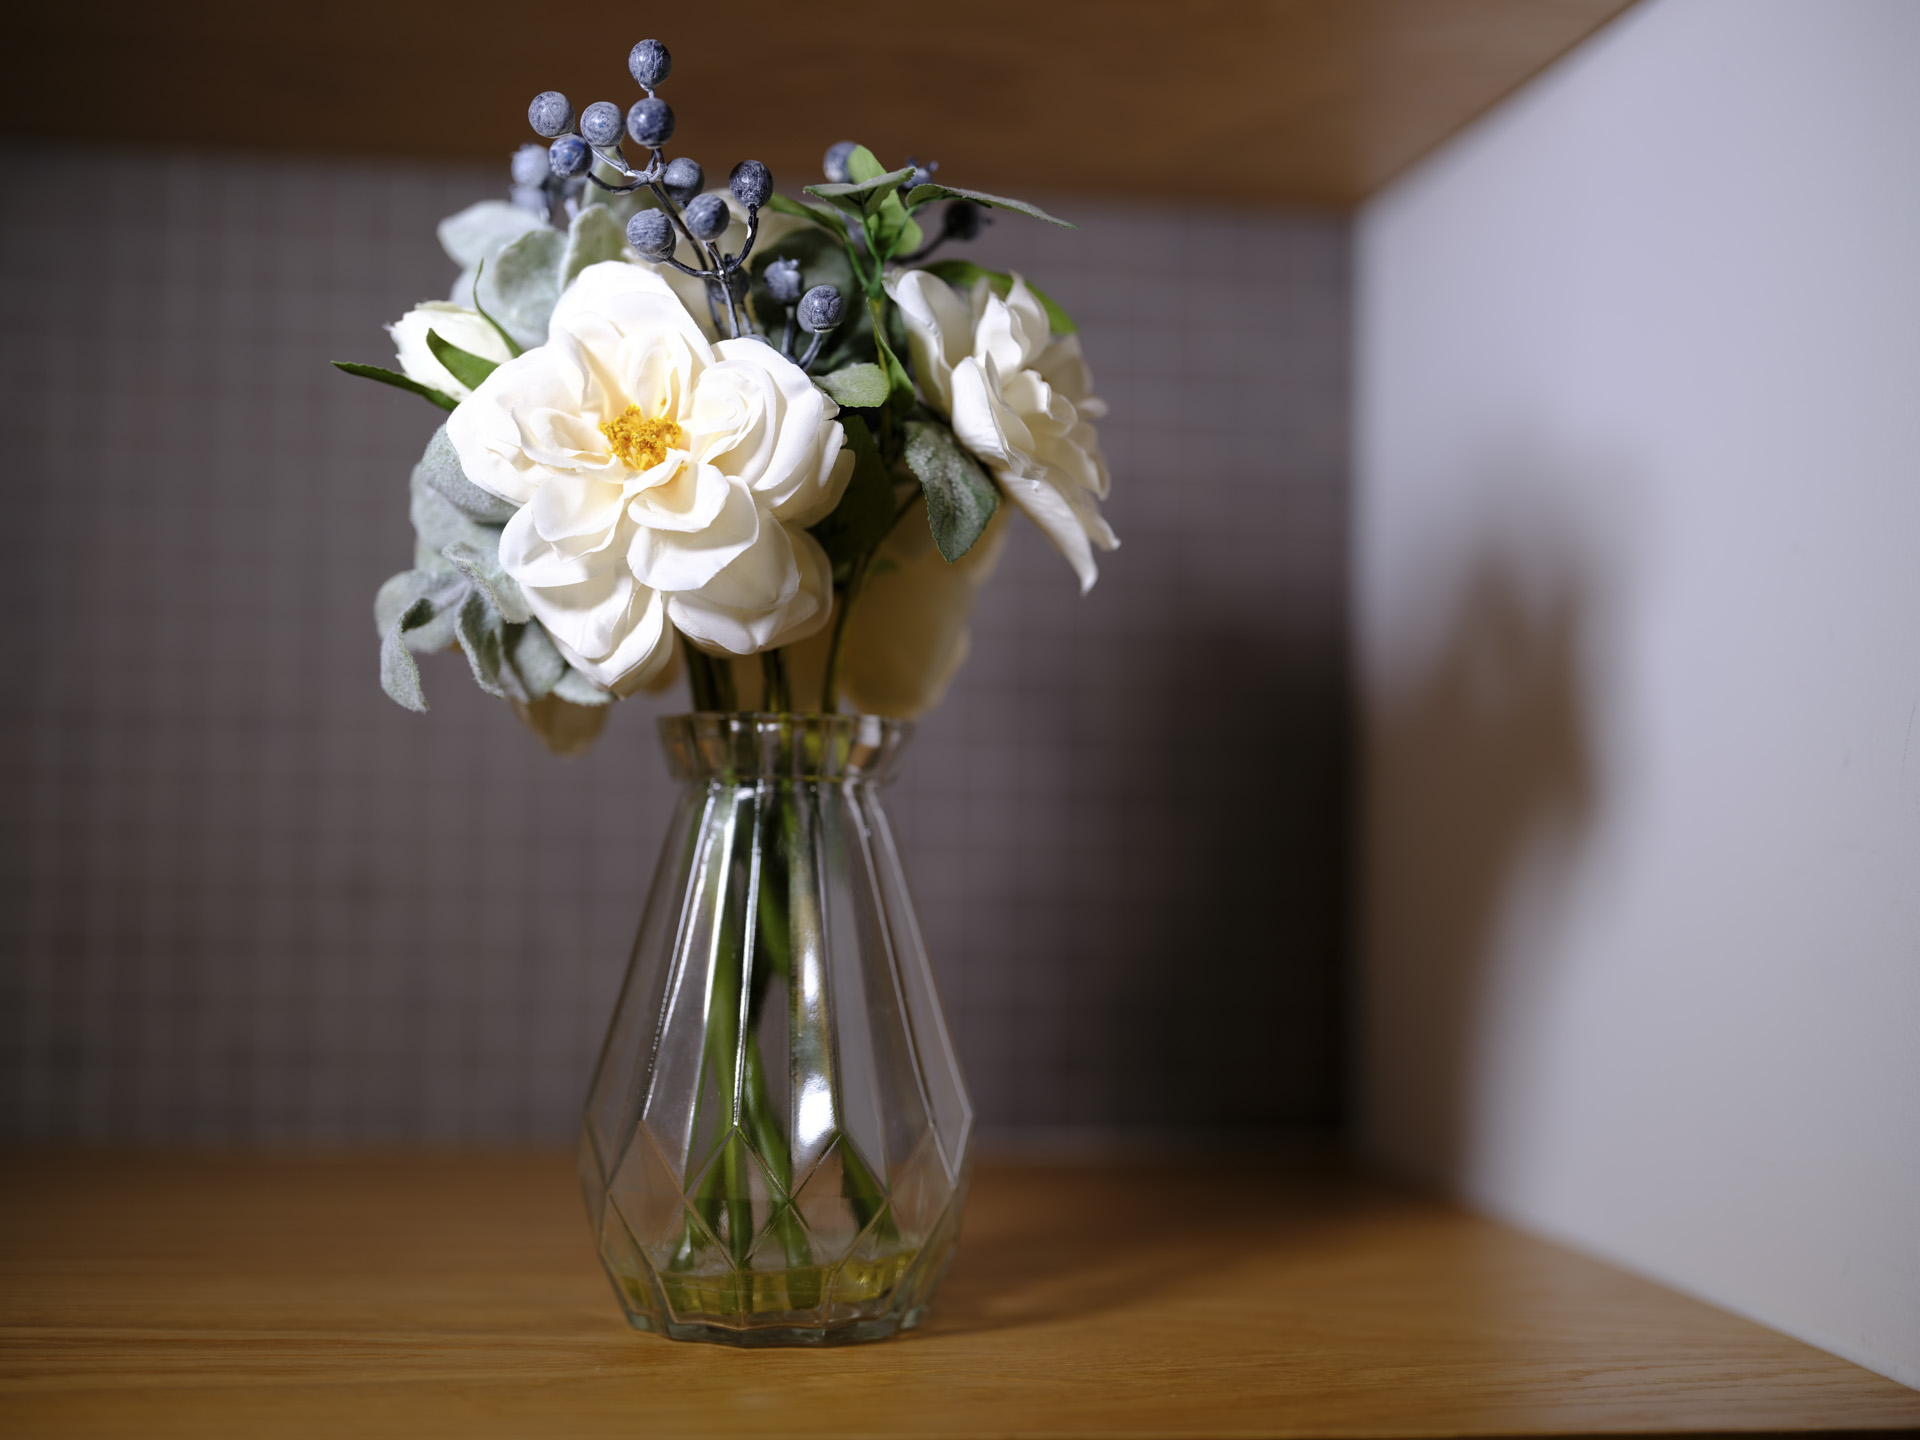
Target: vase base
x=779 y=1337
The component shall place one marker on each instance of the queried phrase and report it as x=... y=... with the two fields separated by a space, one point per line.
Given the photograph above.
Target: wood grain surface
x=1253 y=101
x=426 y=1295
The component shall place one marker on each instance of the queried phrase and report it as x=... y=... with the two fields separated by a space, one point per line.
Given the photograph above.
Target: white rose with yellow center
x=665 y=481
x=1019 y=398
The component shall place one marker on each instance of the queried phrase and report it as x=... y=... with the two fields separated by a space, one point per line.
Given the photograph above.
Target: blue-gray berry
x=683 y=179
x=836 y=162
x=751 y=183
x=821 y=308
x=550 y=114
x=783 y=280
x=649 y=63
x=708 y=217
x=530 y=165
x=569 y=155
x=650 y=122
x=601 y=123
x=651 y=233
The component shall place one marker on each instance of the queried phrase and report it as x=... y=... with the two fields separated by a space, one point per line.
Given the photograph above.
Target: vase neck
x=744 y=748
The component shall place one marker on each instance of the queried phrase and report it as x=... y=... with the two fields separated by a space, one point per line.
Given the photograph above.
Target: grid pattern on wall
x=245 y=897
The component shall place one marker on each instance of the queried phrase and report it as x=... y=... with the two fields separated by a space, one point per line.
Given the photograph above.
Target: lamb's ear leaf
x=960 y=497
x=399 y=675
x=522 y=285
x=923 y=194
x=465 y=366
x=484 y=570
x=858 y=387
x=398 y=381
x=440 y=470
x=577 y=689
x=865 y=513
x=478 y=629
x=535 y=657
x=964 y=273
x=593 y=236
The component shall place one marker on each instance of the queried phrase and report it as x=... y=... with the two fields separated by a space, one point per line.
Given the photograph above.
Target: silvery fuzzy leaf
x=438 y=524
x=563 y=727
x=482 y=567
x=522 y=283
x=532 y=651
x=482 y=231
x=577 y=689
x=858 y=387
x=399 y=676
x=440 y=468
x=594 y=236
x=443 y=590
x=481 y=635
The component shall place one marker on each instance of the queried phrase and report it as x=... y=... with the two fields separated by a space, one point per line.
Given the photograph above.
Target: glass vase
x=775 y=1146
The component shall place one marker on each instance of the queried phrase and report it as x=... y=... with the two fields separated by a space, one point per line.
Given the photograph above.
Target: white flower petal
x=675 y=560
x=939 y=332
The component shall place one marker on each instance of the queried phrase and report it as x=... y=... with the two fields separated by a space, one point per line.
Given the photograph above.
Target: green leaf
x=402 y=592
x=923 y=194
x=398 y=381
x=593 y=236
x=513 y=346
x=862 y=164
x=899 y=383
x=964 y=273
x=862 y=199
x=441 y=470
x=819 y=214
x=520 y=288
x=858 y=387
x=865 y=513
x=399 y=675
x=465 y=366
x=960 y=498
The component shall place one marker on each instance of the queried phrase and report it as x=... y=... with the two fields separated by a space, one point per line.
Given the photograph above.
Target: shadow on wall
x=1230 y=982
x=1477 y=761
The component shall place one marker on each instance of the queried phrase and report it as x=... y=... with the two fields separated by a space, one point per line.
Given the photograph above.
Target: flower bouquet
x=763 y=439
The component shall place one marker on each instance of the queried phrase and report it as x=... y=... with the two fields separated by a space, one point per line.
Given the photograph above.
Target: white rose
x=457 y=325
x=1019 y=399
x=664 y=480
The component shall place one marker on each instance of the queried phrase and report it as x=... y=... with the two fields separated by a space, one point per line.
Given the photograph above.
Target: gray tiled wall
x=243 y=896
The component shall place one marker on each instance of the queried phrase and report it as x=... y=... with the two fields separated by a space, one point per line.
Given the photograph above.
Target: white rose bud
x=455 y=324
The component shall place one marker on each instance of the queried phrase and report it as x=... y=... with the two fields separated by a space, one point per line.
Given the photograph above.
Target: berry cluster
x=685 y=210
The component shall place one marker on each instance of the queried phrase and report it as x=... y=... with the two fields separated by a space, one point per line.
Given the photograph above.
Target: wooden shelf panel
x=422 y=1295
x=1300 y=101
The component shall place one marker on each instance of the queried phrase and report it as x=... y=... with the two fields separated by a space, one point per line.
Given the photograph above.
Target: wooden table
x=411 y=1294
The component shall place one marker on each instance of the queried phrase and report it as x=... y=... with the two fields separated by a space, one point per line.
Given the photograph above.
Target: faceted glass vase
x=775 y=1147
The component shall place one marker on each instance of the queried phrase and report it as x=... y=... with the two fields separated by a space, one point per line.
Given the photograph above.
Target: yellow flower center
x=641 y=442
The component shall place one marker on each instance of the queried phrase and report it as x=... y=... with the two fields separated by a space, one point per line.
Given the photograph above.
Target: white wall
x=1638 y=603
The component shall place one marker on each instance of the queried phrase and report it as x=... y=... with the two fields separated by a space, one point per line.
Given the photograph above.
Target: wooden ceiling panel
x=1314 y=102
